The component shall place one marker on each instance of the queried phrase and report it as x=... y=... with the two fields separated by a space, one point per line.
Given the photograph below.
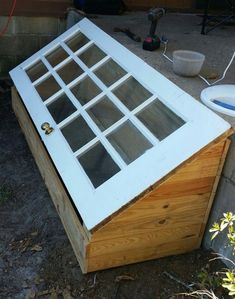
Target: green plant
x=209 y=280
x=227 y=223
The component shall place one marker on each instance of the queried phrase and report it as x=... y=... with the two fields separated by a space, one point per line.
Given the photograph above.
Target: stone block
x=18 y=45
x=36 y=25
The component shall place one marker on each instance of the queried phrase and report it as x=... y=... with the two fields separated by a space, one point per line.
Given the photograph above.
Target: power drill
x=152 y=41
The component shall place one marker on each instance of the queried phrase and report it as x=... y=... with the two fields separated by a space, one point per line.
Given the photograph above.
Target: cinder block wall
x=224 y=202
x=25 y=36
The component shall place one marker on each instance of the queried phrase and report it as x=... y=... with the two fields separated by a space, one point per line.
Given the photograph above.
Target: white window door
x=112 y=125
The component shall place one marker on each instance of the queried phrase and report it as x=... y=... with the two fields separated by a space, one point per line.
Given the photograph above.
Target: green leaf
x=214 y=235
x=215 y=228
x=231 y=229
x=230 y=275
x=229 y=286
x=223 y=225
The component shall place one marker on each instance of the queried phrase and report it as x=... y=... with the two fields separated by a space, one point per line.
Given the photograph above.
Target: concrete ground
x=36 y=259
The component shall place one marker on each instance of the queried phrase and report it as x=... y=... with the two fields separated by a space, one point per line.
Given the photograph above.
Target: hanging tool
x=127 y=31
x=152 y=41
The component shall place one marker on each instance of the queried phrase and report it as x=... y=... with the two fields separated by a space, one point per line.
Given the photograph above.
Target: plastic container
x=187 y=63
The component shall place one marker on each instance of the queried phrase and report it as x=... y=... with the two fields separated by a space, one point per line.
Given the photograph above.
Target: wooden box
x=167 y=219
x=158 y=201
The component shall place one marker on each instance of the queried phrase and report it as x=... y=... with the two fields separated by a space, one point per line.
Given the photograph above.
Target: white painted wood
x=94 y=205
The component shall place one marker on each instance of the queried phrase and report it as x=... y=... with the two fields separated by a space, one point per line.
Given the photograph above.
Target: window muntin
x=77 y=41
x=105 y=113
x=98 y=165
x=160 y=120
x=61 y=108
x=77 y=133
x=70 y=71
x=85 y=90
x=129 y=142
x=57 y=56
x=125 y=131
x=110 y=72
x=36 y=71
x=47 y=88
x=92 y=55
x=131 y=93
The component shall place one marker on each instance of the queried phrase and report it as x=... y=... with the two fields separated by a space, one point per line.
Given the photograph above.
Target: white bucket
x=187 y=63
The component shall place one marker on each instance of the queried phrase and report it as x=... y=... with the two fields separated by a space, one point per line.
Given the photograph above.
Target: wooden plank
x=156 y=215
x=68 y=216
x=144 y=240
x=155 y=206
x=139 y=255
x=150 y=225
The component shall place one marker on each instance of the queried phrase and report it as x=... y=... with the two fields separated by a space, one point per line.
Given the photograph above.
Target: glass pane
x=61 y=108
x=92 y=55
x=129 y=142
x=160 y=120
x=105 y=113
x=47 y=88
x=70 y=71
x=98 y=165
x=110 y=72
x=77 y=42
x=36 y=71
x=132 y=93
x=77 y=133
x=85 y=90
x=57 y=56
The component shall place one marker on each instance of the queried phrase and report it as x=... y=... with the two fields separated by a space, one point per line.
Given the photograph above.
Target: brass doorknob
x=47 y=128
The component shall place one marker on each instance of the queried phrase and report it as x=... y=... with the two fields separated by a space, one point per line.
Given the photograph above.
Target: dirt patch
x=36 y=259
